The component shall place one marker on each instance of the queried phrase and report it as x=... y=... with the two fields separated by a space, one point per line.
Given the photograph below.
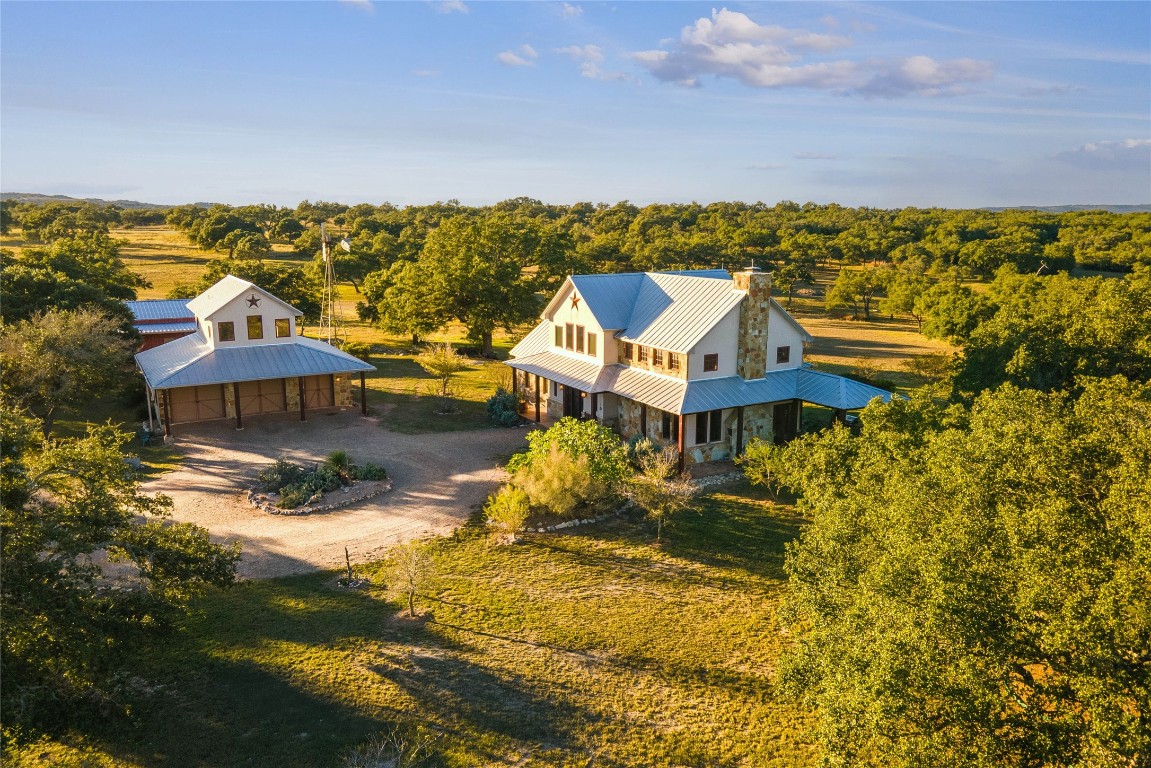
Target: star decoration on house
x=575 y=302
x=253 y=301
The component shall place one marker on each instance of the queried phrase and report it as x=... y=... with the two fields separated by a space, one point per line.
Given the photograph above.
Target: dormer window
x=657 y=357
x=255 y=326
x=627 y=350
x=672 y=361
x=226 y=331
x=643 y=354
x=283 y=327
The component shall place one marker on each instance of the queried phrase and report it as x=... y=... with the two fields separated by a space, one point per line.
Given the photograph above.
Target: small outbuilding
x=242 y=355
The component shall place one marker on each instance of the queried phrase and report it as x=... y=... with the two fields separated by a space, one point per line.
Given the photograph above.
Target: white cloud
x=425 y=72
x=730 y=44
x=363 y=5
x=590 y=58
x=814 y=156
x=1129 y=153
x=524 y=56
x=450 y=6
x=571 y=11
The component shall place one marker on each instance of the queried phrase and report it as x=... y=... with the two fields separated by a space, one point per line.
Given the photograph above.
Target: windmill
x=329 y=309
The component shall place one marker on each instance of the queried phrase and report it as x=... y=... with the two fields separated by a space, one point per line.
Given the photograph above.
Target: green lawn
x=591 y=648
x=406 y=398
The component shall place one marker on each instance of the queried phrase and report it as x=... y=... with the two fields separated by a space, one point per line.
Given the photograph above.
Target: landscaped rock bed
x=341 y=497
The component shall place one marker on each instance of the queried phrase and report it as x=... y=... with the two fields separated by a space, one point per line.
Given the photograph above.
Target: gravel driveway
x=439 y=478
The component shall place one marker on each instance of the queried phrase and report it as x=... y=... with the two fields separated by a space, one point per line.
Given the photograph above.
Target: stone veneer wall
x=648 y=366
x=756 y=423
x=751 y=350
x=230 y=400
x=292 y=393
x=343 y=385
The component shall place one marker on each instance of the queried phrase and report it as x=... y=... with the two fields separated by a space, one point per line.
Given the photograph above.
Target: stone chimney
x=751 y=353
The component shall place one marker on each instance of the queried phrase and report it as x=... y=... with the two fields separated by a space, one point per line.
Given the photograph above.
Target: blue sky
x=880 y=104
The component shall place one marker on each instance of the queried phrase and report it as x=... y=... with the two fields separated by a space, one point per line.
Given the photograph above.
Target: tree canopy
x=61 y=360
x=72 y=622
x=975 y=586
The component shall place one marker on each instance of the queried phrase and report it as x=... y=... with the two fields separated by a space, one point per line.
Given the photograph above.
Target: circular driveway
x=439 y=479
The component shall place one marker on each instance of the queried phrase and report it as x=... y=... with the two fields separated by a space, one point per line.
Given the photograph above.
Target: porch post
x=363 y=395
x=682 y=428
x=595 y=406
x=148 y=392
x=167 y=413
x=516 y=384
x=303 y=398
x=739 y=431
x=537 y=398
x=236 y=395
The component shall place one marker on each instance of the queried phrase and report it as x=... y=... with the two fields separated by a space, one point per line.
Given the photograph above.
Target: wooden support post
x=682 y=429
x=537 y=398
x=236 y=395
x=642 y=420
x=739 y=431
x=167 y=413
x=516 y=386
x=303 y=398
x=363 y=395
x=595 y=406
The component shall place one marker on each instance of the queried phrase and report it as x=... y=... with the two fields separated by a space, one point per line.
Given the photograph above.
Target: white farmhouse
x=243 y=355
x=700 y=359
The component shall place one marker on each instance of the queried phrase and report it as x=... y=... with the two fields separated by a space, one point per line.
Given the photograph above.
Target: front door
x=573 y=402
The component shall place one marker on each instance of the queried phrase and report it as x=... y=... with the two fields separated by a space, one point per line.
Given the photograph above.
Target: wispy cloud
x=571 y=11
x=814 y=156
x=450 y=6
x=591 y=58
x=765 y=167
x=1128 y=153
x=524 y=56
x=730 y=44
x=1052 y=90
x=425 y=72
x=363 y=5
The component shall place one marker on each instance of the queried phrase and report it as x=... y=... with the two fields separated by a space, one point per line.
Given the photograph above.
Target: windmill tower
x=329 y=304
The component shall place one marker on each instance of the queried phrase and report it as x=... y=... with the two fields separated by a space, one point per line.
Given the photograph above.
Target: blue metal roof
x=675 y=311
x=609 y=298
x=191 y=361
x=160 y=309
x=188 y=326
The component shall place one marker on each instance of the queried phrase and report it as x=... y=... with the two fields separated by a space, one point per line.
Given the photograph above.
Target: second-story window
x=627 y=350
x=569 y=336
x=643 y=354
x=283 y=327
x=672 y=361
x=226 y=331
x=559 y=335
x=255 y=326
x=591 y=343
x=657 y=357
x=579 y=338
x=782 y=354
x=711 y=362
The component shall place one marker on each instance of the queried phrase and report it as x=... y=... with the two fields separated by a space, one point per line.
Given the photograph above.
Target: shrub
x=507 y=511
x=560 y=482
x=324 y=479
x=369 y=471
x=503 y=408
x=357 y=349
x=280 y=474
x=295 y=495
x=606 y=455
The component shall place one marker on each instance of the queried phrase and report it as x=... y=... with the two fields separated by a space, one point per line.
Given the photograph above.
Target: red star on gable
x=575 y=302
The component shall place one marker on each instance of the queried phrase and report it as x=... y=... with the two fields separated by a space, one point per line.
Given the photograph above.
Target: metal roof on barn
x=154 y=310
x=191 y=361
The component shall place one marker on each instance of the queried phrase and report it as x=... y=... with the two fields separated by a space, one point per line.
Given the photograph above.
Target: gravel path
x=440 y=478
